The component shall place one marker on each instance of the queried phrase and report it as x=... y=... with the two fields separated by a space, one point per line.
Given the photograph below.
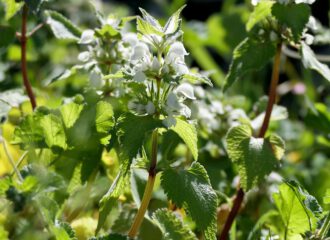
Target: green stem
x=148 y=190
x=325 y=227
x=11 y=160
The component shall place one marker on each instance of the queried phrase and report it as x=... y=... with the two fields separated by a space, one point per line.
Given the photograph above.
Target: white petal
x=150 y=108
x=255 y=2
x=155 y=65
x=305 y=1
x=172 y=101
x=96 y=80
x=87 y=37
x=84 y=56
x=141 y=50
x=178 y=49
x=139 y=77
x=186 y=90
x=131 y=39
x=185 y=110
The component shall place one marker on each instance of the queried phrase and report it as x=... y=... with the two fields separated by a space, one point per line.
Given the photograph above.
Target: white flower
x=186 y=90
x=84 y=56
x=312 y=24
x=141 y=50
x=217 y=107
x=180 y=68
x=96 y=80
x=200 y=92
x=155 y=65
x=255 y=2
x=131 y=39
x=309 y=39
x=305 y=1
x=170 y=121
x=176 y=51
x=137 y=107
x=87 y=37
x=150 y=108
x=185 y=110
x=172 y=102
x=139 y=77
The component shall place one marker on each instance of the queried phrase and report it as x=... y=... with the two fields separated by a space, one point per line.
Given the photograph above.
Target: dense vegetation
x=123 y=126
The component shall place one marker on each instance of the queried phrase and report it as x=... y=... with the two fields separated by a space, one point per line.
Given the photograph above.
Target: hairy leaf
x=197 y=78
x=109 y=199
x=104 y=120
x=260 y=12
x=310 y=61
x=191 y=190
x=70 y=113
x=173 y=22
x=132 y=131
x=249 y=55
x=326 y=198
x=294 y=16
x=62 y=27
x=54 y=132
x=172 y=227
x=188 y=134
x=12 y=7
x=296 y=216
x=254 y=157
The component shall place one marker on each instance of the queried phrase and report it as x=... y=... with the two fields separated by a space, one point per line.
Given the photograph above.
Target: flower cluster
x=155 y=72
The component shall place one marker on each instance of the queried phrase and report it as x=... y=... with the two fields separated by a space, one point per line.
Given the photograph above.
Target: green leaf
x=12 y=7
x=191 y=190
x=54 y=132
x=197 y=78
x=260 y=12
x=146 y=28
x=104 y=121
x=326 y=198
x=310 y=61
x=8 y=36
x=107 y=31
x=34 y=5
x=296 y=217
x=172 y=227
x=62 y=27
x=255 y=157
x=132 y=131
x=30 y=133
x=249 y=55
x=70 y=113
x=109 y=199
x=294 y=16
x=173 y=22
x=188 y=134
x=150 y=19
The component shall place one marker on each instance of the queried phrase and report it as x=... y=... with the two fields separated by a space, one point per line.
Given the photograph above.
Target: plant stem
x=325 y=227
x=272 y=91
x=23 y=40
x=149 y=187
x=271 y=101
x=11 y=160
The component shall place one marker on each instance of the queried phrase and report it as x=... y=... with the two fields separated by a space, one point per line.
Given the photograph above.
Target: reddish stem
x=271 y=101
x=23 y=39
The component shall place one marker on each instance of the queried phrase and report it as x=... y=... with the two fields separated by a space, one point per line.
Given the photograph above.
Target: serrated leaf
x=260 y=12
x=109 y=199
x=255 y=157
x=132 y=131
x=249 y=55
x=150 y=19
x=54 y=132
x=8 y=36
x=146 y=28
x=12 y=7
x=70 y=113
x=62 y=27
x=294 y=16
x=310 y=61
x=197 y=78
x=104 y=120
x=296 y=217
x=172 y=227
x=173 y=23
x=191 y=190
x=187 y=132
x=30 y=133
